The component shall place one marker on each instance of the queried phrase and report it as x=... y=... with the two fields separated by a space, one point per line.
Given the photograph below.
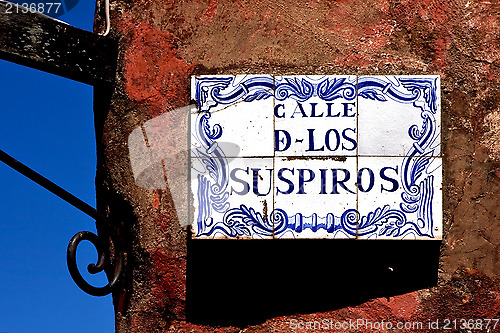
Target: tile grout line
x=325 y=157
x=357 y=158
x=274 y=152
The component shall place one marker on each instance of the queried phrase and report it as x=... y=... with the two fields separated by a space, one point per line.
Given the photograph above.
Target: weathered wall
x=162 y=43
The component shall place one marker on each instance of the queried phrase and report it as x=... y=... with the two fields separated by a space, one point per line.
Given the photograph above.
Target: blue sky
x=48 y=125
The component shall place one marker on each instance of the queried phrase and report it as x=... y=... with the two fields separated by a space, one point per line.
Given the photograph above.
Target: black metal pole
x=49 y=185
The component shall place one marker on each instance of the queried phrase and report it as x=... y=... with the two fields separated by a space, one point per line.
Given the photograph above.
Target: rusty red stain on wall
x=155 y=74
x=426 y=21
x=210 y=12
x=156 y=200
x=402 y=306
x=168 y=282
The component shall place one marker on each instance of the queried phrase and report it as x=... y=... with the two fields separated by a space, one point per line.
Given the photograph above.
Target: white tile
x=400 y=197
x=232 y=197
x=236 y=112
x=315 y=116
x=399 y=115
x=315 y=196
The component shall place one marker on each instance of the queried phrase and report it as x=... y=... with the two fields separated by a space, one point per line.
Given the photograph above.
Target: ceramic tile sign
x=316 y=157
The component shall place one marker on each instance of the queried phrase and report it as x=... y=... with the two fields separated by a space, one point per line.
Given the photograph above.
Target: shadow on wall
x=241 y=282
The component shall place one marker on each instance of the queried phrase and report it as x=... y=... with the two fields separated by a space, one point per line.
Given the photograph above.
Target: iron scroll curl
x=104 y=258
x=103 y=261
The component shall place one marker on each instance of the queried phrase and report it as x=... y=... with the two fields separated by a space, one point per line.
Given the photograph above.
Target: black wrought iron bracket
x=38 y=41
x=100 y=242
